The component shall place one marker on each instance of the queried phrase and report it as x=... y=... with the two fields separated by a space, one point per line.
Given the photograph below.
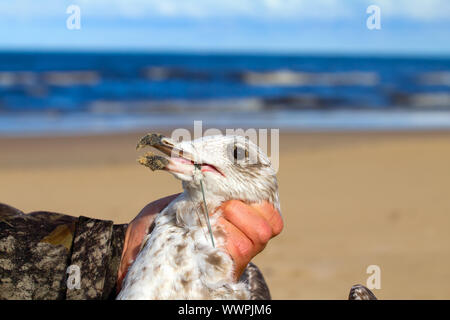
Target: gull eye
x=240 y=154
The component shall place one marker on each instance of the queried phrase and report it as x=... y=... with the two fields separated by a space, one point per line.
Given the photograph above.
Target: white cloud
x=415 y=9
x=259 y=9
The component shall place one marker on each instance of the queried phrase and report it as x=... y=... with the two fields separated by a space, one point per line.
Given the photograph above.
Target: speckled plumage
x=360 y=292
x=178 y=260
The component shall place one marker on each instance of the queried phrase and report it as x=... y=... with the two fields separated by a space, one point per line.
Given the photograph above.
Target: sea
x=60 y=93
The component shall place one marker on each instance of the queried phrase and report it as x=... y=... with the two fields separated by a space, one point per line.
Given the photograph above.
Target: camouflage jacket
x=46 y=255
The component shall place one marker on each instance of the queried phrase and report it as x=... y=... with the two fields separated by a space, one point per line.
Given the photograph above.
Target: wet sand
x=349 y=200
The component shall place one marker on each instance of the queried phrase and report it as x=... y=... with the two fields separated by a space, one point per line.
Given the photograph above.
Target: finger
x=156 y=206
x=136 y=232
x=271 y=215
x=240 y=248
x=249 y=221
x=131 y=250
x=123 y=267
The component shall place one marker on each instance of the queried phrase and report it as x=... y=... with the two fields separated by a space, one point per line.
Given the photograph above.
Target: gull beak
x=178 y=161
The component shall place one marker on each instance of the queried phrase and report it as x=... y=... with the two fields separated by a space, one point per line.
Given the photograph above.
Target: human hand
x=136 y=231
x=248 y=229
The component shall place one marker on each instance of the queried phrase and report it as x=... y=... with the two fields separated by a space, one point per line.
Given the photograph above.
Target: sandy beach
x=349 y=200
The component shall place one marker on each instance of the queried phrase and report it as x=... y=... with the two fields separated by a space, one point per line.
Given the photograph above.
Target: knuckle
x=231 y=207
x=264 y=233
x=244 y=248
x=278 y=225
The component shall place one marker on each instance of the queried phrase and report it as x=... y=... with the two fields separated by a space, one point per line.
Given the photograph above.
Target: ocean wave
x=242 y=105
x=86 y=123
x=302 y=102
x=71 y=78
x=435 y=100
x=176 y=106
x=282 y=77
x=165 y=73
x=17 y=78
x=53 y=78
x=441 y=78
x=293 y=78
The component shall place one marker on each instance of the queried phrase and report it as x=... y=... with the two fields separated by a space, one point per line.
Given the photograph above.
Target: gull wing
x=255 y=282
x=359 y=292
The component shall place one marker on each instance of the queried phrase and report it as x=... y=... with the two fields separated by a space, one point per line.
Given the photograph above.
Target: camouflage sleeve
x=34 y=251
x=37 y=249
x=96 y=252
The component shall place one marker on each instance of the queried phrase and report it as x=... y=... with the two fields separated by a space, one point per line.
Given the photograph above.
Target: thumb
x=133 y=240
x=136 y=231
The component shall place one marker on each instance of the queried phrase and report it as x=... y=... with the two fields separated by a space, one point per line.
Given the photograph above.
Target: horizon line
x=229 y=52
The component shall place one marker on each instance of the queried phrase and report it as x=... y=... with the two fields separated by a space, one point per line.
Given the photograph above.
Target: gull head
x=230 y=166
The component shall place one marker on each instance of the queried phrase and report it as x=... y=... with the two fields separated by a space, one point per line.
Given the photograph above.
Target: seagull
x=184 y=256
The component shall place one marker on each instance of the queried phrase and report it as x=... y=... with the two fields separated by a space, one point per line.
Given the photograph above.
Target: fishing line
x=198 y=167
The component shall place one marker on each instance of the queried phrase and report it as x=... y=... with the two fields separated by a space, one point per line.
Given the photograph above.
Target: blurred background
x=294 y=64
x=363 y=113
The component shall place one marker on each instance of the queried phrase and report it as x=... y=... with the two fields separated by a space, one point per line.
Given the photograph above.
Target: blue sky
x=291 y=26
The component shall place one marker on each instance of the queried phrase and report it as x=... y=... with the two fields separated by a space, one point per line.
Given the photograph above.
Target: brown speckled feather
x=256 y=284
x=360 y=292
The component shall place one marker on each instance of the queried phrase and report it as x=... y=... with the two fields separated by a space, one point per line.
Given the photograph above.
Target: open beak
x=176 y=160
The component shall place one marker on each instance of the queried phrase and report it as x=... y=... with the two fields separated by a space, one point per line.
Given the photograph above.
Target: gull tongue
x=207 y=167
